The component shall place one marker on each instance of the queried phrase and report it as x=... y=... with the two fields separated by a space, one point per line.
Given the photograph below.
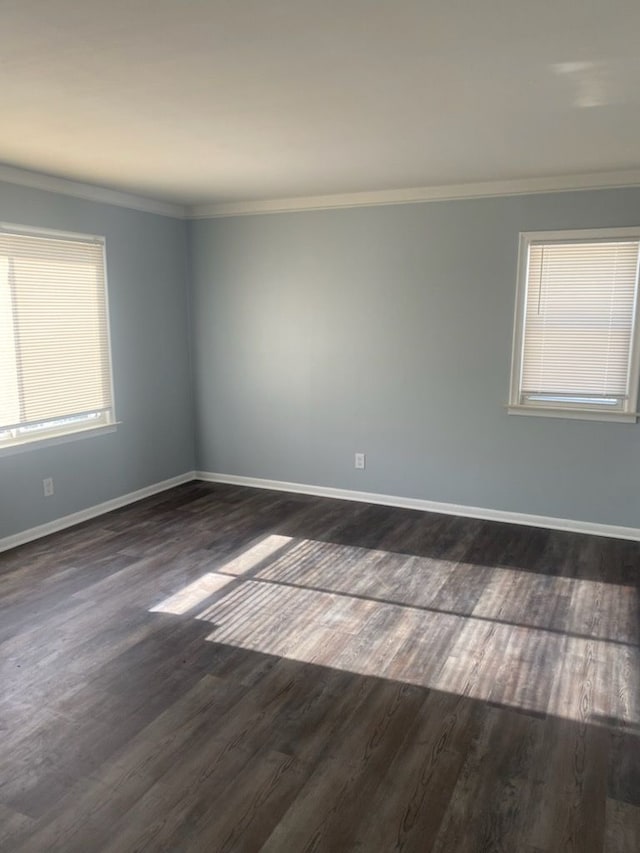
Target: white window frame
x=58 y=432
x=627 y=414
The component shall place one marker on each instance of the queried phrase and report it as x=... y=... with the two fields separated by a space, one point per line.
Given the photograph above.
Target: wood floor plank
x=490 y=802
x=415 y=793
x=622 y=832
x=340 y=788
x=223 y=668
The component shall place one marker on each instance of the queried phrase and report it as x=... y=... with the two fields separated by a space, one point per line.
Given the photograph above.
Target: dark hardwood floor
x=220 y=668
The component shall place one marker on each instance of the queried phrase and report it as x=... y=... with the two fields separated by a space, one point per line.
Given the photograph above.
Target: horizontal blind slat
x=54 y=355
x=578 y=321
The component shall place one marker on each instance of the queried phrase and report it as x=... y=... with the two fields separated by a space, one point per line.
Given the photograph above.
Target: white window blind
x=55 y=370
x=576 y=348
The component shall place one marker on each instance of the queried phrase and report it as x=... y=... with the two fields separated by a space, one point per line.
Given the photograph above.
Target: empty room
x=319 y=441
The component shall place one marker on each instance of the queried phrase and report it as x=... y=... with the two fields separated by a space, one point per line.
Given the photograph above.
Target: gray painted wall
x=146 y=260
x=388 y=330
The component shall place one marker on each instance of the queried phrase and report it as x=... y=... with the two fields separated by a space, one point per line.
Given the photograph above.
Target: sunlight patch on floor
x=193 y=594
x=251 y=557
x=549 y=644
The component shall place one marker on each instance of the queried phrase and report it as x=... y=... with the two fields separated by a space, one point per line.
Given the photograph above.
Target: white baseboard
x=570 y=525
x=92 y=511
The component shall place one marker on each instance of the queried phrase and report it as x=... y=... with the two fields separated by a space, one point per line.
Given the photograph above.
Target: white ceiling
x=196 y=101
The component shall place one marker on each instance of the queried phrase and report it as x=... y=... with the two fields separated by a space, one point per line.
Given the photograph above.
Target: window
x=55 y=366
x=575 y=347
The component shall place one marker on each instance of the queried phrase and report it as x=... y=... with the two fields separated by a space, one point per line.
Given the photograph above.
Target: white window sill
x=573 y=414
x=32 y=443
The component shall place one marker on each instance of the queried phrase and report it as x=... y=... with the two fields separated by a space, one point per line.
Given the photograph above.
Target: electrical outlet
x=360 y=460
x=47 y=486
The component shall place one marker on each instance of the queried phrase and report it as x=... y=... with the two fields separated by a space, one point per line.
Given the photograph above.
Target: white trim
x=572 y=414
x=89 y=192
x=50 y=233
x=411 y=195
x=107 y=302
x=517 y=340
x=582 y=235
x=484 y=513
x=36 y=443
x=415 y=195
x=92 y=511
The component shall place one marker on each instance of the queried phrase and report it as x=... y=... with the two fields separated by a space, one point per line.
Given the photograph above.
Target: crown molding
x=417 y=195
x=411 y=195
x=88 y=192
